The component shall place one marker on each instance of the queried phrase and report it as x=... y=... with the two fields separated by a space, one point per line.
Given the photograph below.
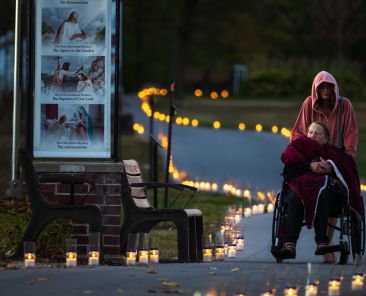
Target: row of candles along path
x=185 y=121
x=312 y=288
x=71 y=255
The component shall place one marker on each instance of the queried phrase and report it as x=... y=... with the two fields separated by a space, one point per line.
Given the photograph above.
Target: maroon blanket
x=309 y=185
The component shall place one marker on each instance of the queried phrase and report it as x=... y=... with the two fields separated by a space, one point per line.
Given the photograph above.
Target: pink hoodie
x=342 y=115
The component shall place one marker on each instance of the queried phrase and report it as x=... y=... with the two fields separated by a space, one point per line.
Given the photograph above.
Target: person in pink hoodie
x=325 y=105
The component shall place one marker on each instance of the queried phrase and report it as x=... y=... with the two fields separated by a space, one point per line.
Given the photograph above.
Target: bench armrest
x=153 y=185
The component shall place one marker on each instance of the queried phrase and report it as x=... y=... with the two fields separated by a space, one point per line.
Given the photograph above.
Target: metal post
x=15 y=185
x=170 y=126
x=151 y=141
x=153 y=152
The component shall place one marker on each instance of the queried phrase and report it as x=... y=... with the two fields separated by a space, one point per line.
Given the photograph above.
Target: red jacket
x=309 y=185
x=342 y=115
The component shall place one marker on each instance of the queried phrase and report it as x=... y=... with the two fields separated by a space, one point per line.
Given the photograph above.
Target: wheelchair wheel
x=344 y=253
x=357 y=236
x=278 y=227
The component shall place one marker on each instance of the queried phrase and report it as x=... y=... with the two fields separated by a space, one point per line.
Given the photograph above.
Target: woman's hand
x=321 y=167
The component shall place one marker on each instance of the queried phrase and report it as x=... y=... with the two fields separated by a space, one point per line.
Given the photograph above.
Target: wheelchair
x=351 y=230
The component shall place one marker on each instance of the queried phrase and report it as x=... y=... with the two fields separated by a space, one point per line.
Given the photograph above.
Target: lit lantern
x=224 y=94
x=357 y=281
x=260 y=208
x=254 y=210
x=154 y=256
x=216 y=124
x=290 y=291
x=143 y=256
x=131 y=258
x=247 y=212
x=214 y=95
x=207 y=254
x=231 y=252
x=226 y=248
x=241 y=126
x=198 y=92
x=311 y=289
x=93 y=258
x=258 y=127
x=267 y=293
x=237 y=218
x=270 y=208
x=71 y=259
x=29 y=260
x=334 y=287
x=240 y=243
x=219 y=253
x=240 y=294
x=222 y=229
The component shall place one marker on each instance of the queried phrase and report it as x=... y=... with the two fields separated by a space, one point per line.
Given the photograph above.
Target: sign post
x=73 y=79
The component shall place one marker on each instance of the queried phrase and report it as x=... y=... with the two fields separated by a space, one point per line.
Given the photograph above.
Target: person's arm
x=350 y=131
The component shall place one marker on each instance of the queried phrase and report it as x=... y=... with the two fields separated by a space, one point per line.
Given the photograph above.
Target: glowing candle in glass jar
x=260 y=208
x=270 y=208
x=226 y=248
x=357 y=281
x=247 y=212
x=237 y=218
x=219 y=253
x=131 y=257
x=71 y=259
x=290 y=291
x=222 y=229
x=334 y=287
x=311 y=289
x=143 y=256
x=240 y=243
x=231 y=253
x=93 y=258
x=254 y=210
x=29 y=249
x=154 y=256
x=207 y=254
x=267 y=293
x=29 y=260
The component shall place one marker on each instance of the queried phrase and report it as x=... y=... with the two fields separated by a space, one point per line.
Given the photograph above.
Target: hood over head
x=323 y=76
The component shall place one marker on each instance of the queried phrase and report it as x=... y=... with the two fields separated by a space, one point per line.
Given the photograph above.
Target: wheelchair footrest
x=329 y=249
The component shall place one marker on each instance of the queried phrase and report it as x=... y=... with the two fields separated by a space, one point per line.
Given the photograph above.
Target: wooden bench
x=140 y=216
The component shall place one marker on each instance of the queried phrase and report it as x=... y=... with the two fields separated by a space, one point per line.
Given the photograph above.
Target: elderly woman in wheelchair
x=319 y=181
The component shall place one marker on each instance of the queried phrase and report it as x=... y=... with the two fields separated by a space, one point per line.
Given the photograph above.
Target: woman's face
x=325 y=90
x=317 y=133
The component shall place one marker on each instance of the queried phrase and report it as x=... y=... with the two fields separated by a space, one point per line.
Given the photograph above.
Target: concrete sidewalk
x=242 y=273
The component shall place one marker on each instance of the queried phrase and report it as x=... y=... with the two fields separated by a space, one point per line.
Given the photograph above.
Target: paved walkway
x=246 y=159
x=243 y=273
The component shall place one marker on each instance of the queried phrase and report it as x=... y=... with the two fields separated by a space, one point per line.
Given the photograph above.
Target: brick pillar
x=106 y=195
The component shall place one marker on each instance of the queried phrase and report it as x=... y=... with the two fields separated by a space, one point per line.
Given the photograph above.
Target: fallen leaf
x=152 y=271
x=120 y=291
x=235 y=269
x=43 y=280
x=212 y=273
x=88 y=292
x=212 y=268
x=170 y=284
